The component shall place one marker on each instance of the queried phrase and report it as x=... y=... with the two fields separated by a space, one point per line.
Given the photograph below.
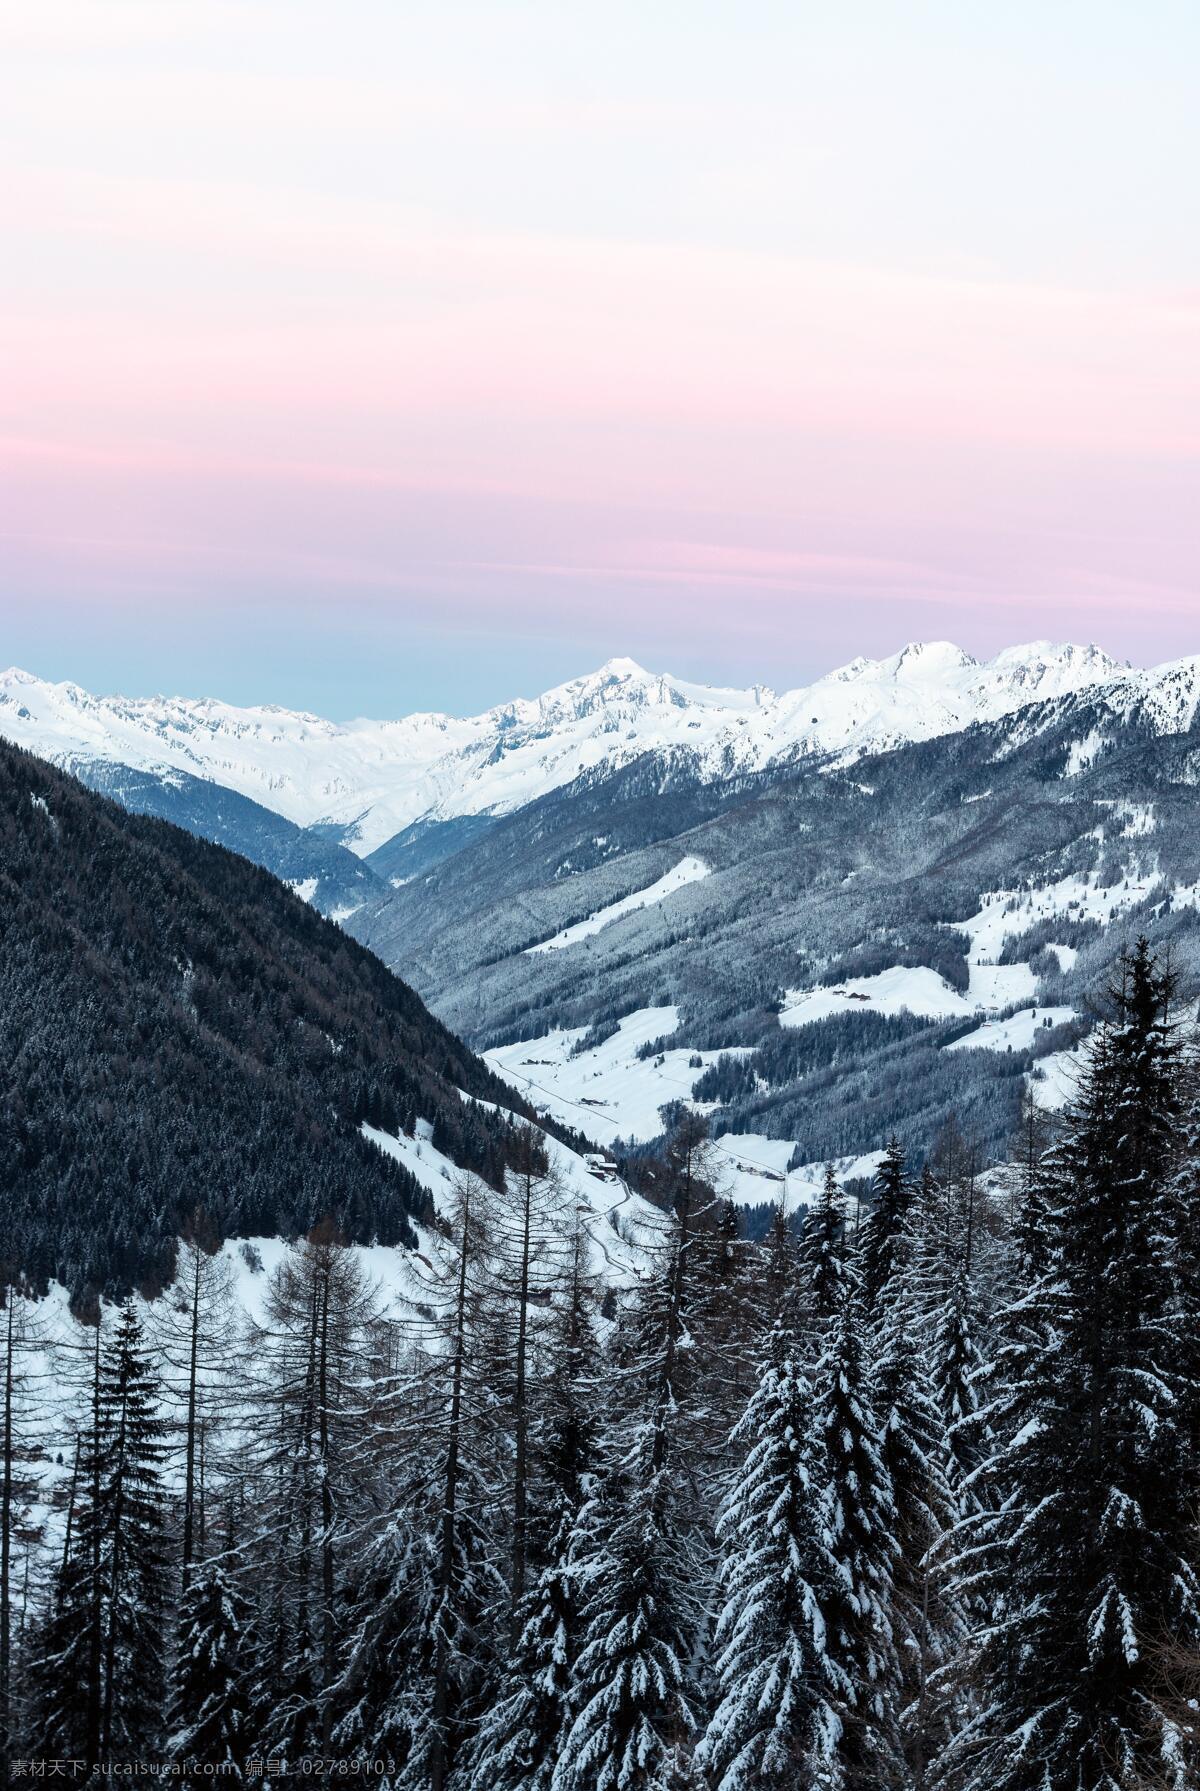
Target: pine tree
x=1097 y=1556
x=1184 y=1220
x=633 y=1715
x=381 y=1703
x=956 y=1368
x=927 y=1621
x=863 y=1544
x=779 y=1690
x=99 y=1678
x=823 y=1269
x=893 y=1192
x=210 y=1714
x=640 y=1552
x=67 y=1649
x=136 y=1559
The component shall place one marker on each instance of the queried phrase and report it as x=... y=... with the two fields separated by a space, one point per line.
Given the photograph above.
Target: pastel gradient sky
x=366 y=355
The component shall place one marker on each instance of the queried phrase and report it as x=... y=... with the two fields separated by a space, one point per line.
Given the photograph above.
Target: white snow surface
x=915 y=990
x=1016 y=1033
x=606 y=1091
x=373 y=778
x=1014 y=911
x=688 y=870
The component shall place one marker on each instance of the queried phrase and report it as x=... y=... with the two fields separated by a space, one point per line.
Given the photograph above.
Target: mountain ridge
x=364 y=782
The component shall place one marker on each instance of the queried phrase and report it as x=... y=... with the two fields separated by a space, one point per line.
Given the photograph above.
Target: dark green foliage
x=177 y=1027
x=1095 y=1538
x=210 y=1710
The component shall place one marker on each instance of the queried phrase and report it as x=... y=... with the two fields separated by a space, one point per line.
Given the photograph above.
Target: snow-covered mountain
x=365 y=781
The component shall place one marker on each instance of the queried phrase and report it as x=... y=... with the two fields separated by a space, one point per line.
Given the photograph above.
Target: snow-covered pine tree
x=1097 y=1560
x=781 y=1286
x=632 y=1705
x=823 y=1268
x=927 y=1620
x=135 y=1547
x=23 y=1420
x=892 y=1191
x=864 y=1546
x=1184 y=1203
x=381 y=1704
x=98 y=1676
x=779 y=1691
x=641 y=1553
x=725 y=1322
x=210 y=1713
x=956 y=1368
x=65 y=1668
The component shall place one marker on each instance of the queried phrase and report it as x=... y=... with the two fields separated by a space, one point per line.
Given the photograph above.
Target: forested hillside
x=178 y=1030
x=906 y=1504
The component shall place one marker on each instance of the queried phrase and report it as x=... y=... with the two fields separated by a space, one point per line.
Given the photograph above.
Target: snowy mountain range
x=363 y=782
x=885 y=898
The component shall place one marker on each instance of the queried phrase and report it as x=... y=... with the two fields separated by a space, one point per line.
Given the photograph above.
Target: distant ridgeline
x=179 y=1030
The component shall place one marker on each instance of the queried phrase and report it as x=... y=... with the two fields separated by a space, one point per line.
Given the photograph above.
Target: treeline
x=907 y=1504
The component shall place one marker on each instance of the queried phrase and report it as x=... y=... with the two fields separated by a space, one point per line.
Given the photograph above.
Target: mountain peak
x=622 y=668
x=930 y=659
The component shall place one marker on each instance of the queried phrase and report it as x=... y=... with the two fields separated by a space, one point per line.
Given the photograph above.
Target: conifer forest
x=900 y=1499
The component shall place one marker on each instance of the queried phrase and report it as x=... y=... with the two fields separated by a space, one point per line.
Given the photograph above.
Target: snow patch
x=606 y=1091
x=1084 y=753
x=688 y=870
x=1017 y=1033
x=915 y=990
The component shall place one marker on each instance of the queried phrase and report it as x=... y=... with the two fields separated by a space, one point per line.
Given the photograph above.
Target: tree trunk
x=6 y=1545
x=189 y=1478
x=441 y=1699
x=95 y=1634
x=328 y=1661
x=520 y=1412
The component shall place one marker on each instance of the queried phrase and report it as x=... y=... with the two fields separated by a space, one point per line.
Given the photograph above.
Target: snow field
x=1017 y=1033
x=607 y=1091
x=914 y=990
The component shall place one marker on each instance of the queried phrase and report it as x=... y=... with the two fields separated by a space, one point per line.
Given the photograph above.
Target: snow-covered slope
x=688 y=870
x=372 y=778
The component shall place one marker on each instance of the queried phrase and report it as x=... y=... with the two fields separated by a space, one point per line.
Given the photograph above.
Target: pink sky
x=417 y=349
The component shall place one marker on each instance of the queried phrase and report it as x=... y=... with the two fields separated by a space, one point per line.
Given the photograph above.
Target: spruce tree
x=823 y=1269
x=136 y=1548
x=779 y=1689
x=863 y=1545
x=1097 y=1552
x=99 y=1679
x=892 y=1193
x=927 y=1621
x=210 y=1714
x=633 y=1715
